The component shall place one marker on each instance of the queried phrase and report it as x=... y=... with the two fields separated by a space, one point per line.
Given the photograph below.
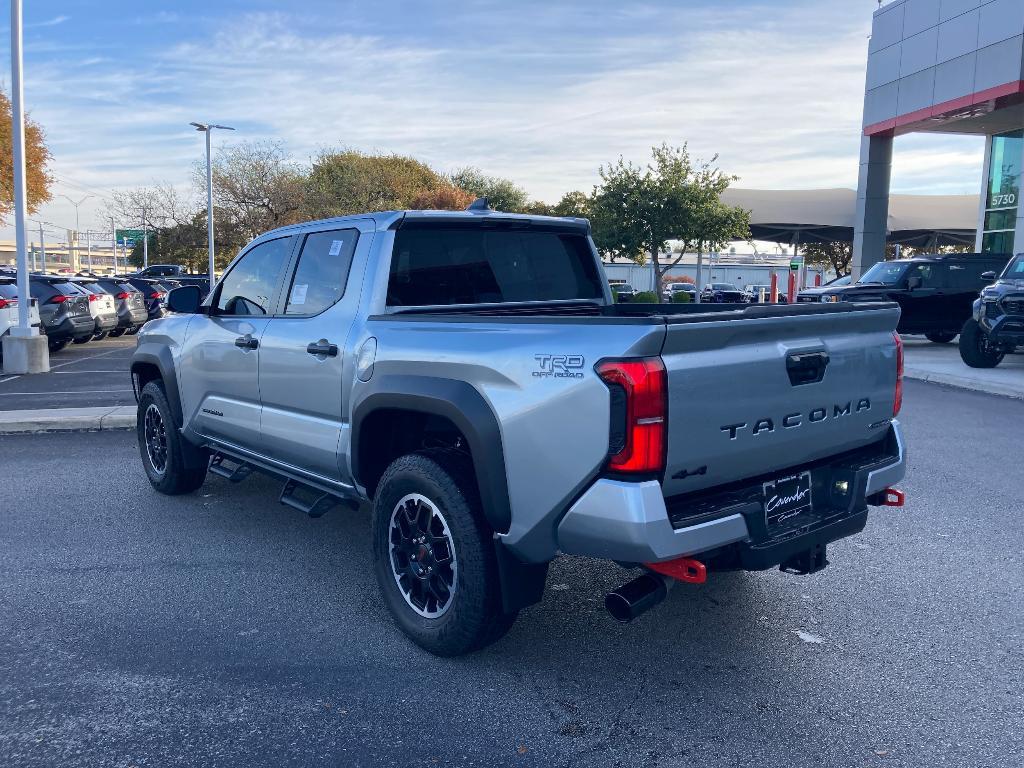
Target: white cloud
x=777 y=92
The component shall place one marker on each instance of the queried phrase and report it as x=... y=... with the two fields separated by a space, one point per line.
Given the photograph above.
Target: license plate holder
x=786 y=498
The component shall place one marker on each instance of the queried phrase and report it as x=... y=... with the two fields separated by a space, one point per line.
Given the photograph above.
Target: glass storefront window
x=1003 y=192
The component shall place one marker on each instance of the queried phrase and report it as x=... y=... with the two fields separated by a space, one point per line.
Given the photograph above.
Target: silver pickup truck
x=469 y=374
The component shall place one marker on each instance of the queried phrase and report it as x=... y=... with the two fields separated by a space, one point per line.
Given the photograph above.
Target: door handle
x=247 y=342
x=322 y=347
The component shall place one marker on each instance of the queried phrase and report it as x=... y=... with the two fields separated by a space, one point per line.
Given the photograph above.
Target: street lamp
x=78 y=252
x=208 y=128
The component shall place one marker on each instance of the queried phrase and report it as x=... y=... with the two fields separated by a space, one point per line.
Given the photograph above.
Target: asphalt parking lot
x=222 y=629
x=81 y=376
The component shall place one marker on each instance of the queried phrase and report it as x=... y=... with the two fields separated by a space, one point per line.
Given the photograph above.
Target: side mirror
x=914 y=282
x=185 y=300
x=989 y=277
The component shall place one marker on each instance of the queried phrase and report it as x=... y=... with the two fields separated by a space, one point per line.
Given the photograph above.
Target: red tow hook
x=683 y=569
x=894 y=497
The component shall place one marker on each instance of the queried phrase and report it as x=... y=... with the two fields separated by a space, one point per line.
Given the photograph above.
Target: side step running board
x=235 y=474
x=315 y=508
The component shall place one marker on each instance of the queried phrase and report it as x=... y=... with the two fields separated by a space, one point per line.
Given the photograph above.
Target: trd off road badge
x=559 y=366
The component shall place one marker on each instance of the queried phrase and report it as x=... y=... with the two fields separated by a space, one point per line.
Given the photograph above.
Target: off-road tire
x=940 y=338
x=184 y=466
x=475 y=617
x=973 y=349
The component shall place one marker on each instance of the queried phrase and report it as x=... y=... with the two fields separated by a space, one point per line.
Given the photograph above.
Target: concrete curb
x=66 y=420
x=966 y=382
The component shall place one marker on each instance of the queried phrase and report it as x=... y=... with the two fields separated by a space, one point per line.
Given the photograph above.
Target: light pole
x=208 y=128
x=78 y=251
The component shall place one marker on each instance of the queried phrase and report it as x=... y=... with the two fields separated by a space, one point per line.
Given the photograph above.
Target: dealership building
x=945 y=66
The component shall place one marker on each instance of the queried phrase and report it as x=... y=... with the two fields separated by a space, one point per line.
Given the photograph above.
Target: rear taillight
x=5 y=303
x=60 y=298
x=123 y=295
x=94 y=297
x=898 y=399
x=155 y=295
x=638 y=410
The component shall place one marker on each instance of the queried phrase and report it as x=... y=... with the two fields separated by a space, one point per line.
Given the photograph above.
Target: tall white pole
x=20 y=193
x=209 y=203
x=145 y=240
x=88 y=248
x=42 y=247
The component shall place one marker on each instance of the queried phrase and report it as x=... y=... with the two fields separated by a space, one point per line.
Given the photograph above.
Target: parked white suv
x=9 y=308
x=101 y=306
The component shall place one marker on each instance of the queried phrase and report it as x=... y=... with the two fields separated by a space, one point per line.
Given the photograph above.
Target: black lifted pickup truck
x=996 y=325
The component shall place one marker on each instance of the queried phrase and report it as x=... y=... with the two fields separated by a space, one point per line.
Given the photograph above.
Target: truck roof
x=384 y=220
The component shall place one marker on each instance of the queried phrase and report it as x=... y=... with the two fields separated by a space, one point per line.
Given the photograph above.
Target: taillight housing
x=60 y=298
x=639 y=410
x=94 y=297
x=5 y=303
x=155 y=295
x=897 y=403
x=123 y=295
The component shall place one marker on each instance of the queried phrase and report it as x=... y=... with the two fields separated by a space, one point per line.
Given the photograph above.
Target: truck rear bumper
x=630 y=522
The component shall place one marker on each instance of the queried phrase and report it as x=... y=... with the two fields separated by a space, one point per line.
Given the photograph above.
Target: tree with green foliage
x=835 y=256
x=636 y=210
x=573 y=204
x=346 y=182
x=502 y=194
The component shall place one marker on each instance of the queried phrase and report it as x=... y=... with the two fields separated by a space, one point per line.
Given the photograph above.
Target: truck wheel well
x=389 y=433
x=145 y=373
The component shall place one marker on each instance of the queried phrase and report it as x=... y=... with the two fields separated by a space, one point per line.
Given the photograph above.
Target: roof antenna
x=480 y=204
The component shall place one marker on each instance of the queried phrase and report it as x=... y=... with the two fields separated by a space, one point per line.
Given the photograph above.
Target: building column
x=983 y=203
x=1018 y=238
x=871 y=225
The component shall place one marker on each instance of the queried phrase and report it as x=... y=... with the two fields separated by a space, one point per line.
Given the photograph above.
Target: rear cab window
x=322 y=271
x=447 y=264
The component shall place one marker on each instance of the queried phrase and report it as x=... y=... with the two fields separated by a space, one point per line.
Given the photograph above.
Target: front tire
x=434 y=555
x=940 y=338
x=975 y=349
x=173 y=465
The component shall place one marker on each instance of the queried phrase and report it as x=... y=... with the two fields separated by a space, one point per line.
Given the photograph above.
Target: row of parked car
x=712 y=293
x=87 y=307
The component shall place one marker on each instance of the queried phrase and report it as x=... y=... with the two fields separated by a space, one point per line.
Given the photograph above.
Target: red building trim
x=946 y=110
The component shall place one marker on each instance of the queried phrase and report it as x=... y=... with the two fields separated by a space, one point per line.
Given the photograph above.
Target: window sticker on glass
x=335 y=247
x=298 y=294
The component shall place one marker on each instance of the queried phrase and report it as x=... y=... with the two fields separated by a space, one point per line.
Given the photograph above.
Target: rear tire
x=173 y=465
x=99 y=336
x=82 y=339
x=56 y=346
x=940 y=338
x=975 y=349
x=427 y=516
x=117 y=332
x=133 y=330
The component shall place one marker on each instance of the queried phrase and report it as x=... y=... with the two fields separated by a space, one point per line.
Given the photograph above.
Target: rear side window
x=249 y=288
x=967 y=277
x=322 y=271
x=472 y=265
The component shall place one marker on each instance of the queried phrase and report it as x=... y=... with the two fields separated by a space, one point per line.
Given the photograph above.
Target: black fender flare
x=160 y=356
x=465 y=407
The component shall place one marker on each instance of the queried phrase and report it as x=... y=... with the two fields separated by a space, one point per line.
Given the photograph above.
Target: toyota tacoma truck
x=470 y=376
x=996 y=325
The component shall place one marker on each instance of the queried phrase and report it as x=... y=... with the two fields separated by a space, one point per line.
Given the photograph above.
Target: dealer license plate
x=786 y=498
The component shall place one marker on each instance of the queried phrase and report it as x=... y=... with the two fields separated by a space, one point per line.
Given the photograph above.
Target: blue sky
x=542 y=92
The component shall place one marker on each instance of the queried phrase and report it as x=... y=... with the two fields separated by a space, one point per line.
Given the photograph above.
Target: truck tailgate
x=763 y=392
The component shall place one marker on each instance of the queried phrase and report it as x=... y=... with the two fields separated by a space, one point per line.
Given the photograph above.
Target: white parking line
x=67 y=362
x=77 y=392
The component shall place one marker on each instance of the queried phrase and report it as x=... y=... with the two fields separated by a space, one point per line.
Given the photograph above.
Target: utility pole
x=88 y=248
x=77 y=257
x=145 y=239
x=113 y=242
x=42 y=246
